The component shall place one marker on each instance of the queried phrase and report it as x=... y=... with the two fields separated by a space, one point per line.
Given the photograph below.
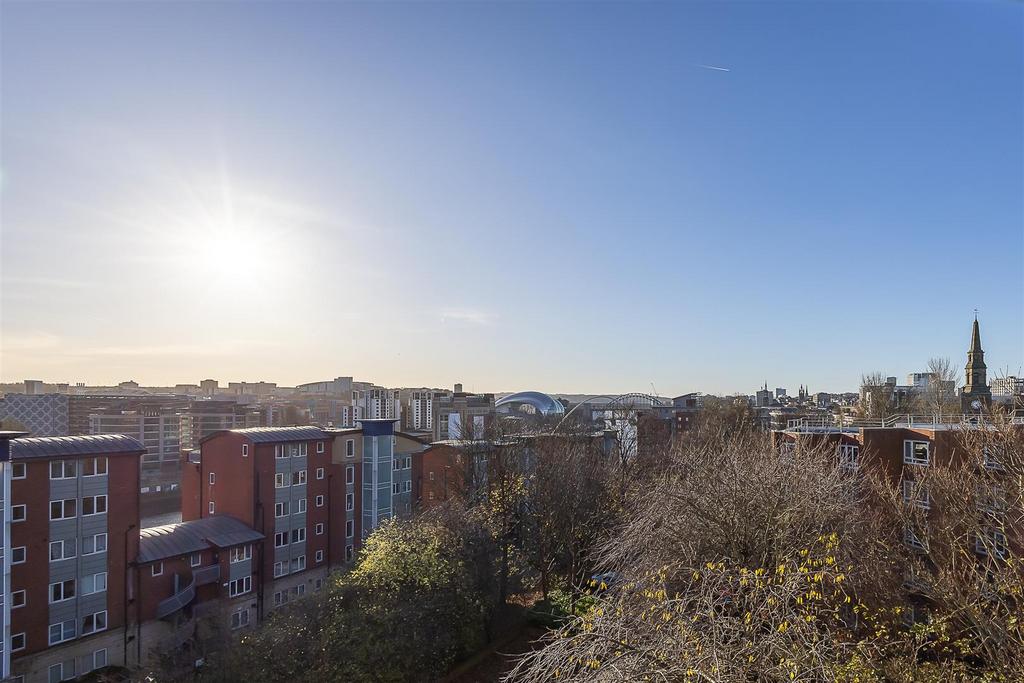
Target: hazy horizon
x=591 y=197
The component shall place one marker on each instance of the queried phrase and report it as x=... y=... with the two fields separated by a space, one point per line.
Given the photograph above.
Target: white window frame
x=318 y=529
x=195 y=559
x=241 y=553
x=350 y=502
x=848 y=455
x=63 y=469
x=913 y=540
x=300 y=506
x=213 y=478
x=350 y=528
x=64 y=594
x=350 y=448
x=95 y=467
x=914 y=493
x=280 y=452
x=298 y=535
x=1001 y=547
x=299 y=563
x=319 y=556
x=320 y=447
x=156 y=569
x=350 y=474
x=63 y=550
x=350 y=553
x=319 y=472
x=95 y=656
x=95 y=505
x=910 y=458
x=17 y=467
x=245 y=450
x=212 y=507
x=15 y=552
x=95 y=616
x=299 y=475
x=238 y=620
x=18 y=648
x=303 y=450
x=239 y=586
x=94 y=538
x=279 y=569
x=14 y=598
x=281 y=539
x=95 y=578
x=280 y=480
x=15 y=509
x=319 y=501
x=63 y=508
x=62 y=625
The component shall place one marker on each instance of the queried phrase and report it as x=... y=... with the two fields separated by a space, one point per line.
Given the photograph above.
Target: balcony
x=179 y=600
x=205 y=575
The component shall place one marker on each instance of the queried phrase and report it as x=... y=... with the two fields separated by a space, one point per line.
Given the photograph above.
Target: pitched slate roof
x=275 y=434
x=174 y=540
x=71 y=446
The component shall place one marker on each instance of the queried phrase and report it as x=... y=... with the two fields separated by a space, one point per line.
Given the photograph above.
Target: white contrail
x=714 y=68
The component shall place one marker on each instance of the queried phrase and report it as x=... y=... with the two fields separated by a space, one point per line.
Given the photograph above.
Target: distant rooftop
x=69 y=446
x=276 y=434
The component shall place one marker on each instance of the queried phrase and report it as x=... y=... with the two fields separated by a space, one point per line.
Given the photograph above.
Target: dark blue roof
x=70 y=446
x=174 y=540
x=276 y=434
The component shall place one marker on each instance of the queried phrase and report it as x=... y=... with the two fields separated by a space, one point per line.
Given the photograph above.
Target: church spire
x=975 y=373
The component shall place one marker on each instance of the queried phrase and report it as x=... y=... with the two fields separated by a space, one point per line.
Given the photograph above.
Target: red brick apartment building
x=74 y=527
x=905 y=449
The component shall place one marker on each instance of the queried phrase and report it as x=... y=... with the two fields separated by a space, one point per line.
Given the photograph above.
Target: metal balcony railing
x=205 y=575
x=177 y=601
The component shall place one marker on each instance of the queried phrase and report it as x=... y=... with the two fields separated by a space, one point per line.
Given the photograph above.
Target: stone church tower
x=976 y=376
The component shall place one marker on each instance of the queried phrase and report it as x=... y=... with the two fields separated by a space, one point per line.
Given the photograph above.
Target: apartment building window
x=195 y=559
x=241 y=554
x=280 y=451
x=319 y=446
x=431 y=496
x=213 y=478
x=57 y=674
x=94 y=505
x=319 y=555
x=18 y=513
x=157 y=569
x=62 y=590
x=350 y=475
x=17 y=642
x=350 y=448
x=245 y=450
x=916 y=452
x=299 y=478
x=319 y=501
x=17 y=599
x=99 y=659
x=240 y=618
x=240 y=586
x=279 y=569
x=350 y=528
x=281 y=509
x=94 y=544
x=297 y=591
x=298 y=563
x=280 y=480
x=279 y=599
x=63 y=509
x=349 y=552
x=318 y=530
x=95 y=622
x=298 y=535
x=212 y=507
x=992 y=498
x=94 y=467
x=62 y=631
x=62 y=550
x=849 y=456
x=990 y=459
x=300 y=506
x=94 y=583
x=318 y=584
x=914 y=493
x=407 y=486
x=319 y=472
x=350 y=501
x=991 y=542
x=280 y=539
x=303 y=450
x=430 y=475
x=63 y=469
x=394 y=487
x=915 y=541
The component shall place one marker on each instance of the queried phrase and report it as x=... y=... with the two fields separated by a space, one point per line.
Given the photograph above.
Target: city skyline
x=558 y=197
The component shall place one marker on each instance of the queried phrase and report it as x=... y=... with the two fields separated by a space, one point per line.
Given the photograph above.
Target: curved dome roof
x=542 y=403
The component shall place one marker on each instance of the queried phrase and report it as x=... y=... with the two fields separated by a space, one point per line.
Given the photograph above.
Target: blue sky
x=515 y=196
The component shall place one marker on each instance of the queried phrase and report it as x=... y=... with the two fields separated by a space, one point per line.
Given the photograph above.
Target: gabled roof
x=71 y=446
x=275 y=434
x=175 y=540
